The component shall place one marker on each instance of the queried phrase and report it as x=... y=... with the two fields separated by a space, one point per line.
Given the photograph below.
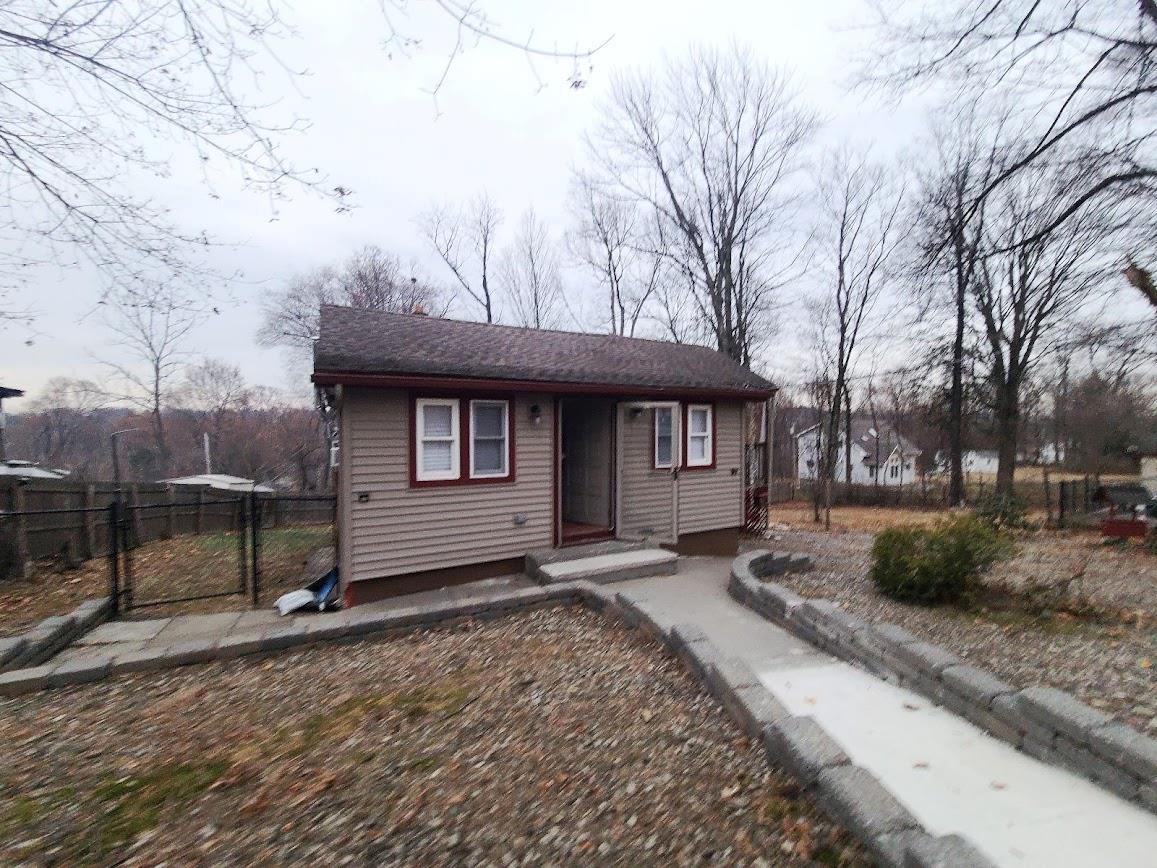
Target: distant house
x=1148 y=455
x=465 y=445
x=220 y=482
x=982 y=462
x=880 y=456
x=30 y=470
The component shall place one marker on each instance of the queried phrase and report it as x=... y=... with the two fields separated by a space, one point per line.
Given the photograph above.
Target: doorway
x=586 y=470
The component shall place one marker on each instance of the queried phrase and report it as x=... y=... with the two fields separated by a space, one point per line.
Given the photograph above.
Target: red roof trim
x=423 y=381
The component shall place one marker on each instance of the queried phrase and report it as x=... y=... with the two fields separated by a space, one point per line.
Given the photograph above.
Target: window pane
x=489 y=456
x=663 y=422
x=699 y=421
x=436 y=456
x=698 y=449
x=663 y=448
x=437 y=421
x=488 y=419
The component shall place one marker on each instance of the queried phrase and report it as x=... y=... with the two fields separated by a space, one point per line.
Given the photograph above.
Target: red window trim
x=464 y=477
x=687 y=435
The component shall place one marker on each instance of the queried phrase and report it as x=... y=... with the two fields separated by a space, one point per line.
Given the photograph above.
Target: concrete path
x=121 y=637
x=951 y=775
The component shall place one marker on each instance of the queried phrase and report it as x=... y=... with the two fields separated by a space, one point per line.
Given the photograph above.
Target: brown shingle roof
x=374 y=342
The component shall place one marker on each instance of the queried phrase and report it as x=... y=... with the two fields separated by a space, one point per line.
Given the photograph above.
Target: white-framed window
x=436 y=439
x=489 y=439
x=664 y=437
x=700 y=435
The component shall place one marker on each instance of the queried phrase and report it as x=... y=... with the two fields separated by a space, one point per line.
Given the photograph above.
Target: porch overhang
x=471 y=384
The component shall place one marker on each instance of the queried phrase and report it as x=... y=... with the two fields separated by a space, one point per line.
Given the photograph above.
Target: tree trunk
x=956 y=408
x=1007 y=429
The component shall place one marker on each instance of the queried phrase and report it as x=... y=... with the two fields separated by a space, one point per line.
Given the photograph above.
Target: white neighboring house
x=30 y=470
x=878 y=457
x=219 y=481
x=983 y=461
x=1149 y=471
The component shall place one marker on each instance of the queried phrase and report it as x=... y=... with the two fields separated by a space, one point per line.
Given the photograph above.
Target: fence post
x=113 y=558
x=1062 y=488
x=242 y=541
x=122 y=528
x=21 y=529
x=89 y=522
x=138 y=523
x=1085 y=505
x=255 y=548
x=171 y=513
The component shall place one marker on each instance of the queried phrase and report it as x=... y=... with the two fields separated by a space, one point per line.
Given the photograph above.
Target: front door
x=586 y=470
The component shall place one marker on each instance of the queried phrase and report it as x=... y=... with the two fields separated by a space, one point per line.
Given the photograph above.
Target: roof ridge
x=517 y=328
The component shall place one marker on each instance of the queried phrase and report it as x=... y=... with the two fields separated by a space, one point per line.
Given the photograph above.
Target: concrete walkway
x=952 y=776
x=114 y=638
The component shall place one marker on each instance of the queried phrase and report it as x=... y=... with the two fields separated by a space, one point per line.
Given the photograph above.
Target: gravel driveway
x=1110 y=664
x=548 y=737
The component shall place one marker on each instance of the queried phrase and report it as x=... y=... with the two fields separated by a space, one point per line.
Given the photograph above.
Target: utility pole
x=5 y=393
x=208 y=461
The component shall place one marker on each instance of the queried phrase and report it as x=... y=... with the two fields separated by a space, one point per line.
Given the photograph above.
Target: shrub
x=1003 y=511
x=941 y=564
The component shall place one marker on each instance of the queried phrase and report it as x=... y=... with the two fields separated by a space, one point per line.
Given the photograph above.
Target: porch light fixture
x=535 y=413
x=636 y=411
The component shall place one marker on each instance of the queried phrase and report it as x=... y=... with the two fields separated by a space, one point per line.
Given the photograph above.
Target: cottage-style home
x=879 y=456
x=465 y=445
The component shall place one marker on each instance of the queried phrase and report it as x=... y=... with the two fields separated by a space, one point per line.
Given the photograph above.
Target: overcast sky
x=498 y=125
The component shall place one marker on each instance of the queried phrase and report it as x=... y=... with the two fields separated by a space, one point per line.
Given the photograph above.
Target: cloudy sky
x=498 y=125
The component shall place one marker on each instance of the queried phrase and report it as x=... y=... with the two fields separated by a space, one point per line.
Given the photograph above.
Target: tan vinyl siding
x=713 y=499
x=402 y=529
x=645 y=508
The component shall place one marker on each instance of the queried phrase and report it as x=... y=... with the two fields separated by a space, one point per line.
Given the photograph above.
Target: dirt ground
x=164 y=569
x=1093 y=632
x=550 y=737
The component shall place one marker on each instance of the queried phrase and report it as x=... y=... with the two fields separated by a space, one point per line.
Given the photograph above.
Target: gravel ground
x=552 y=737
x=1109 y=661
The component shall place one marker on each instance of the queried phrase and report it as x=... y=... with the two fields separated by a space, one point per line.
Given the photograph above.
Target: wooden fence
x=69 y=522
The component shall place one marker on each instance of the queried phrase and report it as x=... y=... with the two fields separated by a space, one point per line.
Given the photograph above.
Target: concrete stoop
x=610 y=567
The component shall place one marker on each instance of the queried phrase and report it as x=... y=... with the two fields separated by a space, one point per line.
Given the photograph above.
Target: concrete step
x=610 y=567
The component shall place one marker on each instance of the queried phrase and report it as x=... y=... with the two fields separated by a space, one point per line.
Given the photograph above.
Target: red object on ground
x=1124 y=528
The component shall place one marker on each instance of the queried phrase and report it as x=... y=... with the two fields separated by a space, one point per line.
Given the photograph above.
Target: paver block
x=80 y=670
x=257 y=618
x=185 y=627
x=974 y=684
x=780 y=603
x=803 y=747
x=190 y=651
x=323 y=628
x=124 y=631
x=700 y=657
x=287 y=636
x=684 y=635
x=375 y=621
x=1038 y=748
x=11 y=648
x=860 y=801
x=728 y=674
x=1124 y=746
x=630 y=606
x=798 y=563
x=925 y=657
x=613 y=566
x=18 y=681
x=594 y=595
x=1147 y=797
x=1060 y=711
x=947 y=851
x=148 y=660
x=238 y=645
x=1084 y=762
x=755 y=708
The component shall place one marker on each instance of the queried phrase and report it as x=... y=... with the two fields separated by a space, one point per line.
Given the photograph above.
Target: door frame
x=613 y=483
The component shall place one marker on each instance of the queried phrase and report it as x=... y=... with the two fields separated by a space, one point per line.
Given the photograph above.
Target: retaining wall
x=1046 y=723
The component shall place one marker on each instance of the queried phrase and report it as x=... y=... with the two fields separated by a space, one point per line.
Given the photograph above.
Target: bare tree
x=859 y=234
x=151 y=325
x=370 y=279
x=466 y=240
x=62 y=418
x=215 y=388
x=1030 y=286
x=531 y=277
x=1082 y=73
x=610 y=240
x=950 y=231
x=712 y=147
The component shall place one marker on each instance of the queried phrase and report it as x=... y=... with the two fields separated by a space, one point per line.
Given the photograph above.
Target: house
x=466 y=445
x=220 y=482
x=1148 y=455
x=980 y=462
x=880 y=456
x=30 y=470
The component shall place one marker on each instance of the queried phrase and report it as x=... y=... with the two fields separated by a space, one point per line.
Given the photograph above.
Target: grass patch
x=277 y=539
